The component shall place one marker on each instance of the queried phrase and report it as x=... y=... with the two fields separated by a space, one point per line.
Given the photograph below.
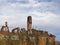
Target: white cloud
x=46 y=19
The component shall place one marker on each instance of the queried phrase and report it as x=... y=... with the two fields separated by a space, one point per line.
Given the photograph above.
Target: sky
x=45 y=14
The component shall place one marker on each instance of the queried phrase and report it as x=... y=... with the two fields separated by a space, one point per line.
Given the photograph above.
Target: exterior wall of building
x=23 y=37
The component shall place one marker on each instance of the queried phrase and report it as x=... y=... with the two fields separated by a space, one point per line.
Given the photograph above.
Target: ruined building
x=30 y=36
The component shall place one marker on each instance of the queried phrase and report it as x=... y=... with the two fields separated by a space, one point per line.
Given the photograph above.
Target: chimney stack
x=29 y=23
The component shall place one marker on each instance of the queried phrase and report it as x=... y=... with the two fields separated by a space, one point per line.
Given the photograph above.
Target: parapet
x=52 y=35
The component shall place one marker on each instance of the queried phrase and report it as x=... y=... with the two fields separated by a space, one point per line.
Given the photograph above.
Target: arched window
x=14 y=37
x=6 y=37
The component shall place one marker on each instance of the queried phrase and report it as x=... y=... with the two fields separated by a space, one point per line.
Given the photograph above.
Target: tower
x=5 y=28
x=29 y=24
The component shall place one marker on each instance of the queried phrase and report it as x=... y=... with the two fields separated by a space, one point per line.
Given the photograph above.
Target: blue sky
x=45 y=14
